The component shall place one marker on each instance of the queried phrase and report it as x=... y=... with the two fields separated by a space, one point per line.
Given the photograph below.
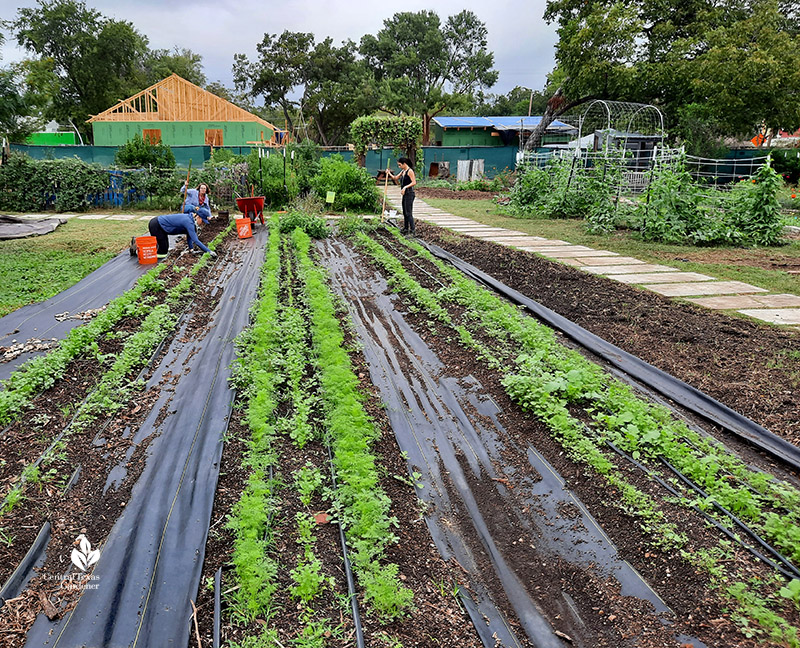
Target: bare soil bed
x=454 y=194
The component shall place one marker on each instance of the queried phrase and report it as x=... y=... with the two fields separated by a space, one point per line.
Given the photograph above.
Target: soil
x=750 y=367
x=454 y=194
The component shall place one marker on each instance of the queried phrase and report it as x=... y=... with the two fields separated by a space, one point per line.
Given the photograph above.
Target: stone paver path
x=665 y=280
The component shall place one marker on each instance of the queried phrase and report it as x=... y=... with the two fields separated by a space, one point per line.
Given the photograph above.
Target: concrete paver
x=661 y=277
x=774 y=315
x=618 y=260
x=122 y=217
x=704 y=288
x=736 y=302
x=567 y=252
x=94 y=216
x=627 y=269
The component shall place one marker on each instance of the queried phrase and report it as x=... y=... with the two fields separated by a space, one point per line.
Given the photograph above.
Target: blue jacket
x=182 y=224
x=193 y=200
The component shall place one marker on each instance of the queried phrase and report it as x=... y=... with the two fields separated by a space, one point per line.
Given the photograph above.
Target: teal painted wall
x=180 y=133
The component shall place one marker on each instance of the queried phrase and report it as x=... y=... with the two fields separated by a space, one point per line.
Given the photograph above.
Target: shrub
x=354 y=186
x=138 y=153
x=68 y=184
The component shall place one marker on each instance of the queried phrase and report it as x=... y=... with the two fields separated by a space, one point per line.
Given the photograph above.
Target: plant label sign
x=330 y=197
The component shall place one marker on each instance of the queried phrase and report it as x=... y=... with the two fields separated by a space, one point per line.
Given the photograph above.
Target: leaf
x=78 y=559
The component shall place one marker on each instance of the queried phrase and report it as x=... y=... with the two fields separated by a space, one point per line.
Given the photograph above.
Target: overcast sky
x=217 y=29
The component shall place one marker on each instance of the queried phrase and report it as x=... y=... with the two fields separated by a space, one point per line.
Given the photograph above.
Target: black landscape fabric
x=150 y=566
x=38 y=321
x=450 y=430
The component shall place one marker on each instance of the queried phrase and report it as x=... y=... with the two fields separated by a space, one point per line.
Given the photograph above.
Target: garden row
x=311 y=468
x=664 y=472
x=673 y=207
x=66 y=415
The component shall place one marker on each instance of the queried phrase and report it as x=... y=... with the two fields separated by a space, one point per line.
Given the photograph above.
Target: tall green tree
x=338 y=90
x=736 y=62
x=96 y=59
x=160 y=63
x=281 y=67
x=421 y=65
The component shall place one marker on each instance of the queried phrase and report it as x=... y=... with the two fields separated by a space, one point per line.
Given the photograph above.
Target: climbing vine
x=404 y=134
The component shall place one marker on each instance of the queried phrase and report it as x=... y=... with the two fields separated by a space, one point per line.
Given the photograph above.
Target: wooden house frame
x=176 y=100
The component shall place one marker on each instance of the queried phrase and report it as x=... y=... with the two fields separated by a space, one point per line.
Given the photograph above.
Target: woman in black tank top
x=407 y=182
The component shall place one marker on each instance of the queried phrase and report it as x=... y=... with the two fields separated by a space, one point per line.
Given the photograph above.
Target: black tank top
x=405 y=180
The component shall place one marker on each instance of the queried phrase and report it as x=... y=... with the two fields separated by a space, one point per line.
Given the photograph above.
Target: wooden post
x=186 y=190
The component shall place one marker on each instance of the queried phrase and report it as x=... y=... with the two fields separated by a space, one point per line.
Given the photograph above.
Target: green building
x=50 y=138
x=178 y=113
x=494 y=131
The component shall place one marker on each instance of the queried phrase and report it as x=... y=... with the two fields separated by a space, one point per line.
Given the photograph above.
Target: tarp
x=12 y=227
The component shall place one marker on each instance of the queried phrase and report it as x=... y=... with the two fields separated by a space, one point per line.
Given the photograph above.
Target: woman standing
x=198 y=202
x=407 y=182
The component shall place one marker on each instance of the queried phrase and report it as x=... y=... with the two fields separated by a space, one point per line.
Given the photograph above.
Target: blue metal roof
x=498 y=123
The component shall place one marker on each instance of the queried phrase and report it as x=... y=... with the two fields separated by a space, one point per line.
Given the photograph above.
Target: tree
x=281 y=67
x=95 y=58
x=161 y=63
x=516 y=102
x=419 y=64
x=338 y=89
x=734 y=61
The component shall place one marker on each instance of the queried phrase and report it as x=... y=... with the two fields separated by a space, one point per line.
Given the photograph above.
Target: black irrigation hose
x=685 y=395
x=218 y=608
x=724 y=530
x=753 y=535
x=351 y=583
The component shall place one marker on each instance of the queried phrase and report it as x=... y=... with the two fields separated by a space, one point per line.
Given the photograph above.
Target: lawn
x=764 y=267
x=36 y=268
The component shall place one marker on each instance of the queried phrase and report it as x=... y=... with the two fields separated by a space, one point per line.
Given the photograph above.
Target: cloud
x=217 y=29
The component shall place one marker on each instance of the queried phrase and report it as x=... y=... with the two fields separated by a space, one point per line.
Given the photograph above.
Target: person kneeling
x=162 y=226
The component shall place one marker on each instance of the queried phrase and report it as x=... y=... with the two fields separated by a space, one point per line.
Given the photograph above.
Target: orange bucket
x=243 y=228
x=147 y=249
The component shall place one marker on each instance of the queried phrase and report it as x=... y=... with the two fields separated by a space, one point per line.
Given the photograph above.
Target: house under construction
x=178 y=113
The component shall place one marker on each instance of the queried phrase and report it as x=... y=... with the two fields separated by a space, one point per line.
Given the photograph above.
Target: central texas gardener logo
x=82 y=555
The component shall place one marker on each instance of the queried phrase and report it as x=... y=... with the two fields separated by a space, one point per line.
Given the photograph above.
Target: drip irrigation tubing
x=753 y=535
x=397 y=251
x=681 y=393
x=348 y=570
x=724 y=530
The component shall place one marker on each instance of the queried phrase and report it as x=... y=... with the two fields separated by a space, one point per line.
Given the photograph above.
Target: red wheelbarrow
x=252 y=207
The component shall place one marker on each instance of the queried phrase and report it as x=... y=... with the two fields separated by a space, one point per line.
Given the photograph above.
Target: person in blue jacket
x=162 y=226
x=198 y=202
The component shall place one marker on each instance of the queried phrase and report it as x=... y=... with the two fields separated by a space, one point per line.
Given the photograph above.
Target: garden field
x=333 y=435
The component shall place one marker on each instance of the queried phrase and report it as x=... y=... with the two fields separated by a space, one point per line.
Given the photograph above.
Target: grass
x=36 y=268
x=736 y=264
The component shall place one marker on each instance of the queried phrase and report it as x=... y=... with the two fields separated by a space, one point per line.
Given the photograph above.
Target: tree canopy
x=735 y=63
x=85 y=62
x=421 y=66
